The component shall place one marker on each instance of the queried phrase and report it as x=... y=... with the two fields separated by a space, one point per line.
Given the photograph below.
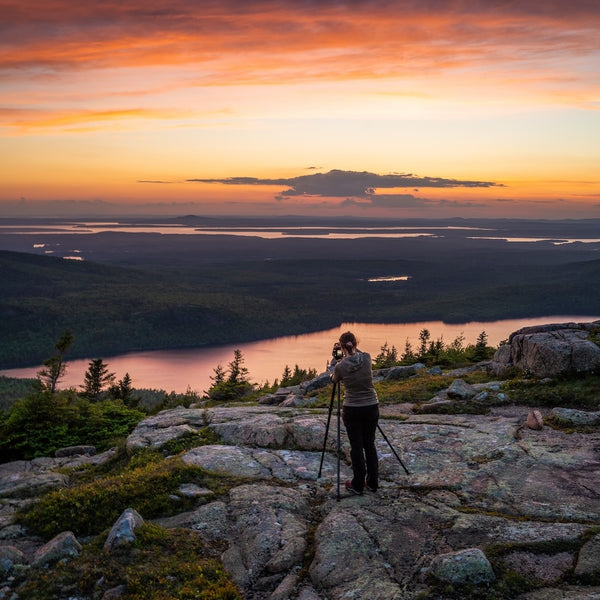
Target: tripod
x=336 y=385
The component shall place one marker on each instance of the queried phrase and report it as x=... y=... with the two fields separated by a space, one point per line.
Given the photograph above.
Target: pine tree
x=237 y=372
x=55 y=367
x=388 y=357
x=233 y=385
x=286 y=377
x=96 y=378
x=481 y=347
x=125 y=388
x=219 y=375
x=408 y=355
x=424 y=337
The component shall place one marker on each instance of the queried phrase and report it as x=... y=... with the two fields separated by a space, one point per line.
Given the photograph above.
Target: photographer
x=360 y=411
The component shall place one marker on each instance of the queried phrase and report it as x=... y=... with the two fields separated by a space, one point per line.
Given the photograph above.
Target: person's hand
x=337 y=351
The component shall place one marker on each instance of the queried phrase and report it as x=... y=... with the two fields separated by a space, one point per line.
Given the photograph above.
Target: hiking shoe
x=350 y=489
x=370 y=488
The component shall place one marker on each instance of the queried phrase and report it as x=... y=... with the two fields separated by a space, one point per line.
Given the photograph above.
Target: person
x=360 y=411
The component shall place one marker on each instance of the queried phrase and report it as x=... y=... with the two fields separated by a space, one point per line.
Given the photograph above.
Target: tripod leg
x=327 y=430
x=339 y=445
x=392 y=448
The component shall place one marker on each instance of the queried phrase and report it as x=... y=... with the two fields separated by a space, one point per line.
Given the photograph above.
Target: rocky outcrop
x=550 y=350
x=486 y=494
x=476 y=481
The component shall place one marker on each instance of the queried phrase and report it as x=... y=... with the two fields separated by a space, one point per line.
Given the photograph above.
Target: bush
x=12 y=389
x=43 y=422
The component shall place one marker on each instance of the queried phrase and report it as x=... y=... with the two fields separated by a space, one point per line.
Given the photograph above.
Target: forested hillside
x=187 y=291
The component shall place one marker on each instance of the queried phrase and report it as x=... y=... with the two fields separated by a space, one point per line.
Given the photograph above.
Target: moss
x=582 y=391
x=150 y=488
x=451 y=408
x=190 y=440
x=161 y=564
x=508 y=586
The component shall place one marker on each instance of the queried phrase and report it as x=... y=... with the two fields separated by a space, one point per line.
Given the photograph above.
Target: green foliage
x=436 y=352
x=54 y=366
x=12 y=389
x=453 y=355
x=233 y=383
x=160 y=565
x=415 y=389
x=123 y=390
x=152 y=400
x=96 y=378
x=388 y=357
x=580 y=391
x=43 y=422
x=86 y=509
x=296 y=376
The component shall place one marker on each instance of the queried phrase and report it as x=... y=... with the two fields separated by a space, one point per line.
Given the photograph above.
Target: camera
x=337 y=352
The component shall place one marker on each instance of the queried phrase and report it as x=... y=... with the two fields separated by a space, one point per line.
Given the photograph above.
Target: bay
x=180 y=370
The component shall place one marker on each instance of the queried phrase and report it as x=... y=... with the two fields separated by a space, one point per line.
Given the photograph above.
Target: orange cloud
x=268 y=42
x=27 y=120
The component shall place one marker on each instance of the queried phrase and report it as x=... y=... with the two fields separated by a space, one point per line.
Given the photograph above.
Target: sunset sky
x=458 y=108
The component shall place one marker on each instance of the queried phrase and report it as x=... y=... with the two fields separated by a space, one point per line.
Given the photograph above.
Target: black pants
x=361 y=425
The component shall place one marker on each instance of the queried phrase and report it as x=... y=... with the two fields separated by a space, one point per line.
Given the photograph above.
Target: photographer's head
x=348 y=342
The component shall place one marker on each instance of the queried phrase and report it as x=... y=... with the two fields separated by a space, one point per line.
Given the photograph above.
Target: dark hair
x=348 y=340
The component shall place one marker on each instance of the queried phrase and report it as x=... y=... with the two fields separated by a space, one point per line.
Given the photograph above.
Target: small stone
x=535 y=420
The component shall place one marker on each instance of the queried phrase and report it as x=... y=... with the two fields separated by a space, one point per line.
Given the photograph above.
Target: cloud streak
x=265 y=41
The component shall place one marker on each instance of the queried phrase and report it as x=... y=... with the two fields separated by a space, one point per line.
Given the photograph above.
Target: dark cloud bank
x=353 y=185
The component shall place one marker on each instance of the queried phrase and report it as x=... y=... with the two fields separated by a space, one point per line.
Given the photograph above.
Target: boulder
x=400 y=372
x=9 y=557
x=461 y=390
x=571 y=417
x=123 y=531
x=321 y=381
x=550 y=350
x=63 y=546
x=465 y=566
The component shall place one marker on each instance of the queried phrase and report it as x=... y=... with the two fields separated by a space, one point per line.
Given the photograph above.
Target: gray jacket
x=356 y=373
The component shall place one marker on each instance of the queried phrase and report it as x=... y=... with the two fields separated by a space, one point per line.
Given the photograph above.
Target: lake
x=178 y=370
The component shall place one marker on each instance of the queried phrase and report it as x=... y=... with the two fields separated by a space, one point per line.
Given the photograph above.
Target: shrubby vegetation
x=165 y=564
x=103 y=412
x=12 y=389
x=43 y=422
x=149 y=484
x=436 y=352
x=234 y=383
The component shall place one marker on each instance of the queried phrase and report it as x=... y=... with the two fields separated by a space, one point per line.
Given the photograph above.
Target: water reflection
x=179 y=370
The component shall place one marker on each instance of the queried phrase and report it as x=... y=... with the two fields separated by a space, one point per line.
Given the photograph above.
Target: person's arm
x=334 y=374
